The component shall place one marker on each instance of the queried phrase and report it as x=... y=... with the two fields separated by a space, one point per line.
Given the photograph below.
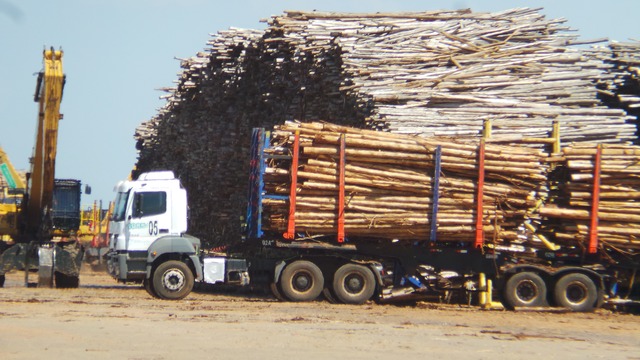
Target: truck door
x=149 y=219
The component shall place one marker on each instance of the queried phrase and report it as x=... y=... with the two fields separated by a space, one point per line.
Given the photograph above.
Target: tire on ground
x=576 y=292
x=329 y=296
x=276 y=292
x=525 y=289
x=172 y=280
x=353 y=284
x=63 y=281
x=148 y=286
x=301 y=281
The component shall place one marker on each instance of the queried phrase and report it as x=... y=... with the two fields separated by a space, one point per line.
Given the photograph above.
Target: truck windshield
x=120 y=207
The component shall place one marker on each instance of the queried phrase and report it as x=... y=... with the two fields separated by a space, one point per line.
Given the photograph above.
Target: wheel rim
x=173 y=280
x=576 y=293
x=527 y=291
x=302 y=281
x=354 y=283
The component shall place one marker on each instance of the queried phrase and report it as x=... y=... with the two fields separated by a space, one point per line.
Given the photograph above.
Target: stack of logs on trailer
x=395 y=186
x=439 y=73
x=596 y=195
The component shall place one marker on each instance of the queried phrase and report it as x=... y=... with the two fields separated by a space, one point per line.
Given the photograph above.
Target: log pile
x=437 y=73
x=619 y=198
x=389 y=182
x=445 y=74
x=621 y=89
x=203 y=131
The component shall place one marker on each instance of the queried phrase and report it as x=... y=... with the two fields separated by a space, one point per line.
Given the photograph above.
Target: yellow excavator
x=13 y=188
x=43 y=224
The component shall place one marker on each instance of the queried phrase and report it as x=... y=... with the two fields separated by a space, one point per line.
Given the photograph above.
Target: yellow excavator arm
x=49 y=95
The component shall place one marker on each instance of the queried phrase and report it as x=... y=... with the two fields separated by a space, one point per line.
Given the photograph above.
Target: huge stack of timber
x=203 y=131
x=438 y=73
x=389 y=185
x=568 y=221
x=443 y=73
x=622 y=89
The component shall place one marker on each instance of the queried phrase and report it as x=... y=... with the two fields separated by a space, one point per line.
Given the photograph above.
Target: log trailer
x=44 y=221
x=149 y=245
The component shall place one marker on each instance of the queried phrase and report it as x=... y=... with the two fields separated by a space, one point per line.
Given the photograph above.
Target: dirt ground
x=106 y=320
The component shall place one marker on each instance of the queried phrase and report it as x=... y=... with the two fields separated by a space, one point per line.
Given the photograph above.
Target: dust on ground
x=105 y=320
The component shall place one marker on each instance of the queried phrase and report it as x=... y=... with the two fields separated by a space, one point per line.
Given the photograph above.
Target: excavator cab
x=66 y=206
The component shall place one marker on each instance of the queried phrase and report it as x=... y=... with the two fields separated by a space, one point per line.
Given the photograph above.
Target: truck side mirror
x=87 y=189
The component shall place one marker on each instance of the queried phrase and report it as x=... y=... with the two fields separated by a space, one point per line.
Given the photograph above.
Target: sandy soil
x=106 y=320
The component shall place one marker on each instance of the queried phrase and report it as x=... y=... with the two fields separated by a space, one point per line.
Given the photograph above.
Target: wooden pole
x=556 y=137
x=487 y=126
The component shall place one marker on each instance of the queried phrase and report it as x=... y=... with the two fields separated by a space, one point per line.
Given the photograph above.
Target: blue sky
x=118 y=52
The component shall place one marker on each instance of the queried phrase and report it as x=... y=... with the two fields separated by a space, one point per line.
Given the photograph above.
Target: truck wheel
x=328 y=295
x=65 y=281
x=148 y=285
x=2 y=277
x=172 y=280
x=301 y=281
x=353 y=284
x=576 y=292
x=276 y=292
x=525 y=289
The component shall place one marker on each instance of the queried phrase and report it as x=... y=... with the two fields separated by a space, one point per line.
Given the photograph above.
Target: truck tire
x=172 y=280
x=576 y=292
x=525 y=289
x=148 y=286
x=276 y=292
x=65 y=281
x=328 y=295
x=301 y=281
x=353 y=284
x=2 y=277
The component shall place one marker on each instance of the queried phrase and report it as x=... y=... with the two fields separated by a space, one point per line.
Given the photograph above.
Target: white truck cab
x=153 y=206
x=147 y=236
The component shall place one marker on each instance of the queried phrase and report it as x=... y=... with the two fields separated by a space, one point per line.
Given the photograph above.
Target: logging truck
x=148 y=244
